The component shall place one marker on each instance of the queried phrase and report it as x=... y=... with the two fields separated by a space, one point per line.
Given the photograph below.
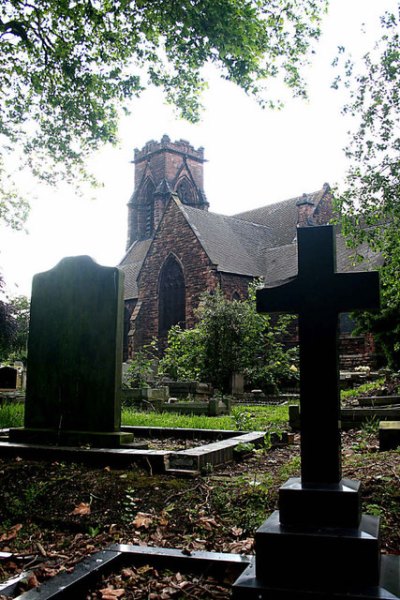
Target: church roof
x=281 y=263
x=131 y=265
x=281 y=217
x=233 y=245
x=256 y=243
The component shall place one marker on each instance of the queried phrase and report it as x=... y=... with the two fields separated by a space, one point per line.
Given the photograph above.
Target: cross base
x=95 y=439
x=320 y=505
x=319 y=546
x=318 y=556
x=249 y=587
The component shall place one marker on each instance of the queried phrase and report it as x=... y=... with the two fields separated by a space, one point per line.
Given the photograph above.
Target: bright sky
x=255 y=157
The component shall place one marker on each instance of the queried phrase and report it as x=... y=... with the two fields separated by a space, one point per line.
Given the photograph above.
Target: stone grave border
x=89 y=571
x=181 y=462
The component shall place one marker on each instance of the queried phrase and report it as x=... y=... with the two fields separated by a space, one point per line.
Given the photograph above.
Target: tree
x=369 y=206
x=68 y=67
x=8 y=327
x=231 y=336
x=20 y=307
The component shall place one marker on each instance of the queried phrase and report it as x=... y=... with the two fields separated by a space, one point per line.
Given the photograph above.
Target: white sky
x=255 y=157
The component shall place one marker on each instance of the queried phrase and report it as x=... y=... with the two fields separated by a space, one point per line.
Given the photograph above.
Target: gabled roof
x=281 y=217
x=131 y=265
x=233 y=245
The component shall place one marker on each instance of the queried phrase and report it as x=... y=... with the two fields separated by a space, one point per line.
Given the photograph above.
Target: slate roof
x=281 y=217
x=131 y=265
x=281 y=263
x=233 y=245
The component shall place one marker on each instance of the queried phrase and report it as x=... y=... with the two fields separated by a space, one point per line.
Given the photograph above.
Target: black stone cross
x=318 y=294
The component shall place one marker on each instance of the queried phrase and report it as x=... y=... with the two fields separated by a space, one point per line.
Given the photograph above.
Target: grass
x=362 y=389
x=243 y=417
x=246 y=417
x=12 y=415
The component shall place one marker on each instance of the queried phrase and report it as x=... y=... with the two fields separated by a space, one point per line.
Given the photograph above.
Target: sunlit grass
x=260 y=418
x=256 y=417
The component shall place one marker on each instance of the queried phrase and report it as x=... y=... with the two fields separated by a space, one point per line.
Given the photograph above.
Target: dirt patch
x=54 y=514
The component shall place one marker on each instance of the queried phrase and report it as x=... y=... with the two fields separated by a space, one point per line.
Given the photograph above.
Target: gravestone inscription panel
x=75 y=355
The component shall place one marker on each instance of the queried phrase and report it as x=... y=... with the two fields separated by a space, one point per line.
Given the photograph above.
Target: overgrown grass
x=243 y=417
x=12 y=415
x=261 y=418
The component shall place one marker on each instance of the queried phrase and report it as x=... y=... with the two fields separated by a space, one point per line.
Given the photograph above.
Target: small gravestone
x=8 y=378
x=74 y=357
x=319 y=545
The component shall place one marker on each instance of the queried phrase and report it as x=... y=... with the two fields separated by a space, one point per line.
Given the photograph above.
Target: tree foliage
x=14 y=326
x=231 y=337
x=369 y=206
x=68 y=66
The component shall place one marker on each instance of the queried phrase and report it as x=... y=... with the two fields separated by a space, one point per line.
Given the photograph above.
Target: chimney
x=305 y=208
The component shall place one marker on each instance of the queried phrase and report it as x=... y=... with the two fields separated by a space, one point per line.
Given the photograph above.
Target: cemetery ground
x=53 y=514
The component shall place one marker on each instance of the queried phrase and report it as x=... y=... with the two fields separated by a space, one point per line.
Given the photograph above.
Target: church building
x=177 y=249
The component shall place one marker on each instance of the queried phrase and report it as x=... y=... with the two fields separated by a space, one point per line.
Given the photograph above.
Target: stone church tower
x=163 y=168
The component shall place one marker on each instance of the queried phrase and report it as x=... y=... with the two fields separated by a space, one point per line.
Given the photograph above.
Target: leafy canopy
x=68 y=66
x=369 y=206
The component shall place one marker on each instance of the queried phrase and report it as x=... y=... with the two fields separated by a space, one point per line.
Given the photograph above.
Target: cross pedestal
x=318 y=545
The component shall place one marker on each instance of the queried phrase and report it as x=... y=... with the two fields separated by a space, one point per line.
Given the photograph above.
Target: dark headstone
x=74 y=356
x=8 y=378
x=318 y=545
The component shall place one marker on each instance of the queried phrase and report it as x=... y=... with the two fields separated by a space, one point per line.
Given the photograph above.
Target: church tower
x=163 y=168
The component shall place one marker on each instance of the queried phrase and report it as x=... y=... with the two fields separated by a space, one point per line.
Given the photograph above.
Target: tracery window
x=171 y=310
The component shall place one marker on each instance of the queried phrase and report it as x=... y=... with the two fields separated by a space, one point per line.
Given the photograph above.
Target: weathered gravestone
x=8 y=378
x=74 y=357
x=318 y=545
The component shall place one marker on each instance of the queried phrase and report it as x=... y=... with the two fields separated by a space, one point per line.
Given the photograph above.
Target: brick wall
x=174 y=236
x=233 y=285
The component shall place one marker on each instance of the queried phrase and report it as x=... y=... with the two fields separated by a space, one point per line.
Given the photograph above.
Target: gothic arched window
x=171 y=303
x=185 y=191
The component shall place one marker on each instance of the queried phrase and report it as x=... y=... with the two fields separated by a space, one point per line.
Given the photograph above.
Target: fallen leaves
x=11 y=533
x=109 y=593
x=147 y=583
x=82 y=509
x=142 y=520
